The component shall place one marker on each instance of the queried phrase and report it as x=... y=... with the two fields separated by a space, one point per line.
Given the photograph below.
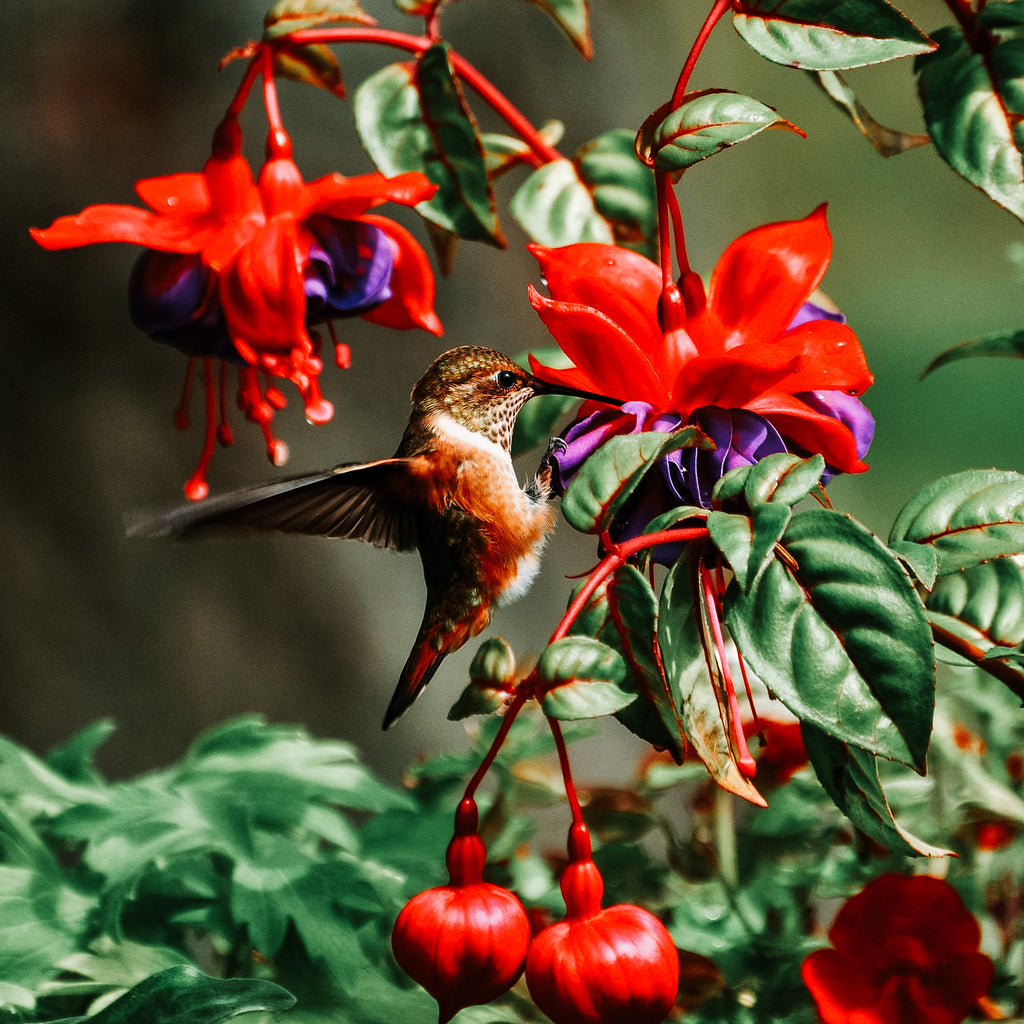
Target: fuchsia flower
x=757 y=365
x=464 y=942
x=618 y=965
x=241 y=270
x=905 y=949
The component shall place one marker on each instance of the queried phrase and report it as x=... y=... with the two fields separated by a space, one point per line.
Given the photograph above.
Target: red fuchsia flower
x=759 y=367
x=782 y=752
x=612 y=966
x=464 y=942
x=905 y=949
x=241 y=270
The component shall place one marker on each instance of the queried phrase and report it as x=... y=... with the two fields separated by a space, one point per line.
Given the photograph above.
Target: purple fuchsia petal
x=848 y=410
x=172 y=299
x=349 y=269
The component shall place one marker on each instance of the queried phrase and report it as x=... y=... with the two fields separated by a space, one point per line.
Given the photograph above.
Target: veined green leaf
x=581 y=678
x=783 y=478
x=1009 y=345
x=705 y=124
x=850 y=777
x=184 y=995
x=686 y=667
x=623 y=189
x=311 y=65
x=623 y=614
x=411 y=117
x=554 y=207
x=837 y=632
x=614 y=471
x=987 y=598
x=974 y=107
x=573 y=18
x=821 y=35
x=294 y=15
x=967 y=518
x=748 y=542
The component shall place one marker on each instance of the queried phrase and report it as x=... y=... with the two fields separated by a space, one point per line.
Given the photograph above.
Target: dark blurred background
x=168 y=639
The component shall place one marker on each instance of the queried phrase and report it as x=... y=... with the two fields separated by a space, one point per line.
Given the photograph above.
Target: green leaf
x=184 y=995
x=920 y=559
x=623 y=614
x=555 y=207
x=837 y=632
x=850 y=777
x=581 y=678
x=973 y=106
x=607 y=479
x=748 y=543
x=967 y=518
x=704 y=124
x=782 y=477
x=573 y=18
x=821 y=35
x=987 y=598
x=311 y=65
x=887 y=141
x=412 y=117
x=682 y=652
x=1010 y=345
x=14 y=998
x=74 y=759
x=295 y=15
x=623 y=189
x=503 y=152
x=492 y=674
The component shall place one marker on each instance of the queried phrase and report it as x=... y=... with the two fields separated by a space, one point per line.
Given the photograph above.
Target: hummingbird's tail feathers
x=363 y=501
x=423 y=662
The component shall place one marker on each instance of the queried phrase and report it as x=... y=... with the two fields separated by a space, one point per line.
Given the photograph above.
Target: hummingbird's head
x=483 y=391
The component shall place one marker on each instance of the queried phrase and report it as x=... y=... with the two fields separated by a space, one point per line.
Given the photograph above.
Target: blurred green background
x=170 y=638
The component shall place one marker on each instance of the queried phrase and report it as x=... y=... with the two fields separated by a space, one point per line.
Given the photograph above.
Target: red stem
x=506 y=723
x=563 y=764
x=242 y=93
x=542 y=152
x=714 y=15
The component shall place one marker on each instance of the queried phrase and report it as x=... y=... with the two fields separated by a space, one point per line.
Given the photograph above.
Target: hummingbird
x=450 y=491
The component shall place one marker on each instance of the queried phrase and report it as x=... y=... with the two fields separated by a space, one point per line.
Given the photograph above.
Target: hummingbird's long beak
x=541 y=387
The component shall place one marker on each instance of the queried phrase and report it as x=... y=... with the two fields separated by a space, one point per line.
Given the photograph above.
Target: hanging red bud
x=464 y=942
x=612 y=966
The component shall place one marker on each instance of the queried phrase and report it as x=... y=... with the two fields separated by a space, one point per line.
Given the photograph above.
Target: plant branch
x=1002 y=671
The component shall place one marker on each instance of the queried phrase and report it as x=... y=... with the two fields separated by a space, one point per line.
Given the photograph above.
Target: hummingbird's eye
x=506 y=379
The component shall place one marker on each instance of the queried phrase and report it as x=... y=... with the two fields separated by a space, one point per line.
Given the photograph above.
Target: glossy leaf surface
x=782 y=478
x=1009 y=345
x=967 y=518
x=613 y=472
x=581 y=678
x=850 y=777
x=295 y=15
x=987 y=600
x=623 y=614
x=706 y=123
x=819 y=35
x=748 y=542
x=837 y=632
x=973 y=106
x=686 y=666
x=573 y=18
x=555 y=207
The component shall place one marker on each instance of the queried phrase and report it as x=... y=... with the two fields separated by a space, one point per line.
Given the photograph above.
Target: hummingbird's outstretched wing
x=367 y=501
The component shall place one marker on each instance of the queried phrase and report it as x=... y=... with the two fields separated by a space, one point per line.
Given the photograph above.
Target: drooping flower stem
x=563 y=764
x=278 y=142
x=196 y=486
x=718 y=9
x=506 y=724
x=542 y=152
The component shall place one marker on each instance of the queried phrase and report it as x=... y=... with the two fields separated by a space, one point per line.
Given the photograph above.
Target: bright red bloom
x=257 y=263
x=612 y=966
x=905 y=949
x=739 y=352
x=464 y=942
x=782 y=752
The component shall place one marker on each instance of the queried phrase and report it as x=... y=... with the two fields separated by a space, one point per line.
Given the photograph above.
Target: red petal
x=569 y=377
x=175 y=195
x=619 y=283
x=602 y=350
x=810 y=430
x=109 y=223
x=346 y=198
x=830 y=356
x=729 y=383
x=838 y=989
x=262 y=290
x=766 y=275
x=412 y=283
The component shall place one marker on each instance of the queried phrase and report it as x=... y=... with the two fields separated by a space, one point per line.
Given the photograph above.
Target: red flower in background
x=240 y=271
x=760 y=368
x=905 y=949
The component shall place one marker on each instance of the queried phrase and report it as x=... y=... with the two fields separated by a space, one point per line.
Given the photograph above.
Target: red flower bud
x=612 y=966
x=464 y=942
